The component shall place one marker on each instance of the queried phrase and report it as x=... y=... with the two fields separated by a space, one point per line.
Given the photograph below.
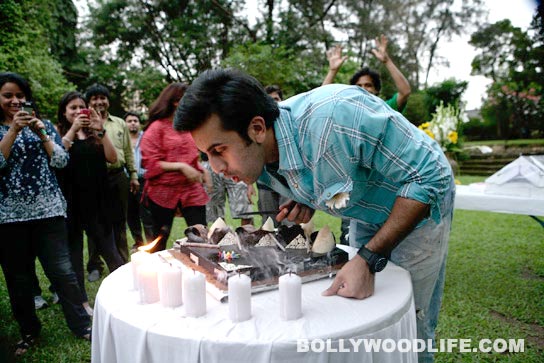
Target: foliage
x=479 y=129
x=24 y=50
x=444 y=127
x=416 y=109
x=182 y=38
x=446 y=92
x=512 y=58
x=273 y=65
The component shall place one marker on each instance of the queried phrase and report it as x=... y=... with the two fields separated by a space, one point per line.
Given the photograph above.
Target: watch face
x=380 y=264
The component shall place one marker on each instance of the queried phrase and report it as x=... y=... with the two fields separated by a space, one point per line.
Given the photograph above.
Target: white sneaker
x=55 y=298
x=39 y=302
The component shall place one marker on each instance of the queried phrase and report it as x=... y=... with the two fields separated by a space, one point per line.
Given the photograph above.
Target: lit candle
x=239 y=297
x=136 y=259
x=194 y=294
x=148 y=283
x=290 y=286
x=170 y=286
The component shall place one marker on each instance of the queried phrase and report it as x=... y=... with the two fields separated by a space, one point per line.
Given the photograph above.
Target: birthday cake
x=263 y=254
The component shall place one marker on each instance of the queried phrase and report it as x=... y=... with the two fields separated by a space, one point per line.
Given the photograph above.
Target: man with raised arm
x=370 y=79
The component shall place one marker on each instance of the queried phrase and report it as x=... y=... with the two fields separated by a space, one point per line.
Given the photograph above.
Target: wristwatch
x=376 y=262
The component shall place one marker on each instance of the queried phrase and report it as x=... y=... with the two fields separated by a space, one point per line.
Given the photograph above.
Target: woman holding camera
x=32 y=213
x=84 y=183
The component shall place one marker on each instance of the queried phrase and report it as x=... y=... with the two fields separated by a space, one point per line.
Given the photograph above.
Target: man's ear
x=257 y=129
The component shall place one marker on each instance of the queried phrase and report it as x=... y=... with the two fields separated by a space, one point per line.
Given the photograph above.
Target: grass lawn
x=494 y=290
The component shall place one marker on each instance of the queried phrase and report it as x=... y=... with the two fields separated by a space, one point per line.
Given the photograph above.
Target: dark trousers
x=46 y=239
x=138 y=215
x=163 y=218
x=102 y=235
x=118 y=190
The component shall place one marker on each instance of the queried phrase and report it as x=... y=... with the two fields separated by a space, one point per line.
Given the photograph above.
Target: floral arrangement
x=444 y=127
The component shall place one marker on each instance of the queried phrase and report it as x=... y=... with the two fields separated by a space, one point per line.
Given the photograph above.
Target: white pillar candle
x=170 y=286
x=239 y=297
x=290 y=286
x=148 y=283
x=136 y=259
x=194 y=294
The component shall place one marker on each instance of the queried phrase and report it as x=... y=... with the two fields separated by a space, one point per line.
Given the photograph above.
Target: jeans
x=423 y=253
x=46 y=239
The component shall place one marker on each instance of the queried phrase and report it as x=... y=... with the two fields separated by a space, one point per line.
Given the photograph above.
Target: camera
x=85 y=111
x=27 y=106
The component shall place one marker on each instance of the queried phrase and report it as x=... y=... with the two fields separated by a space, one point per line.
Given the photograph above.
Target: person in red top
x=173 y=177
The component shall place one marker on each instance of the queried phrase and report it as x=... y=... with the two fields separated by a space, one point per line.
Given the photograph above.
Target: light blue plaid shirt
x=340 y=138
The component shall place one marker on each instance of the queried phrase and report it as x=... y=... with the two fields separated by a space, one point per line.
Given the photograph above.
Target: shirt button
x=295 y=185
x=328 y=194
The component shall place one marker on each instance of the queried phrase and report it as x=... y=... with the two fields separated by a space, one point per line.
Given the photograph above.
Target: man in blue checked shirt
x=342 y=150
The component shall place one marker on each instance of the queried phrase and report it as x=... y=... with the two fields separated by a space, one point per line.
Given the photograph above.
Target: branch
x=229 y=14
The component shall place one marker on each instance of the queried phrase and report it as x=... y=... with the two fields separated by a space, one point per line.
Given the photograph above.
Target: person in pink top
x=173 y=177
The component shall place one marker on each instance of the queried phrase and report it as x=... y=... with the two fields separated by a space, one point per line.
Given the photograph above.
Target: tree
x=513 y=60
x=24 y=49
x=182 y=38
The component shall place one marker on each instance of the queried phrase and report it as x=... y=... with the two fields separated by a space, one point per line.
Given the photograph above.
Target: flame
x=148 y=247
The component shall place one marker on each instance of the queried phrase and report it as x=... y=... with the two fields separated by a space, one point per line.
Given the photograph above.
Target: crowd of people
x=96 y=173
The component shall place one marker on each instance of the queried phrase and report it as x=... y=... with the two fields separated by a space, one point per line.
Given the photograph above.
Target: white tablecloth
x=126 y=331
x=474 y=197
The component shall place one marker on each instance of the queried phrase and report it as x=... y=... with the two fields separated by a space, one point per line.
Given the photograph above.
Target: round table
x=124 y=330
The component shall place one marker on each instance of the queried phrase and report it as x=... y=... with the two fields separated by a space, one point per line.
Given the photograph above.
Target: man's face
x=275 y=96
x=133 y=124
x=228 y=153
x=366 y=83
x=100 y=103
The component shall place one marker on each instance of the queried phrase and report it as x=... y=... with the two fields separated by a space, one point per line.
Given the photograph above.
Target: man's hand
x=353 y=280
x=207 y=180
x=134 y=186
x=295 y=212
x=380 y=51
x=334 y=56
x=250 y=192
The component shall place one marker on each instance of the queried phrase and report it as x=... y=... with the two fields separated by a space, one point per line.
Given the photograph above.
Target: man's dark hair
x=131 y=113
x=274 y=88
x=365 y=71
x=235 y=97
x=96 y=90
